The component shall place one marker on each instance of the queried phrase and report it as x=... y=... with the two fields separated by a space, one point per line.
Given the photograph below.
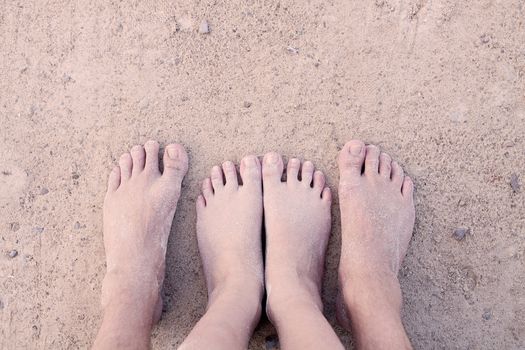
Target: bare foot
x=229 y=227
x=138 y=211
x=377 y=218
x=297 y=219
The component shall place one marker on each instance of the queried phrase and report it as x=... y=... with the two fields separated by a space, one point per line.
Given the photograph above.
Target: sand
x=439 y=84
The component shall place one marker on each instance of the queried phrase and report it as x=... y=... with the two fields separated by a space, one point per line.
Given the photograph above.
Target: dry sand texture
x=439 y=84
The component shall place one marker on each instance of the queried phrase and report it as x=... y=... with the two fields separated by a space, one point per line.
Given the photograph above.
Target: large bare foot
x=297 y=219
x=138 y=211
x=377 y=218
x=229 y=225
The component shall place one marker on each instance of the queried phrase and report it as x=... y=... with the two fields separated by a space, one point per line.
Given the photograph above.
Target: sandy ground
x=439 y=84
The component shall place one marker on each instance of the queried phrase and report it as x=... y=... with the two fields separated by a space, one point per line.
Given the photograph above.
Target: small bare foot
x=229 y=227
x=377 y=218
x=297 y=219
x=138 y=211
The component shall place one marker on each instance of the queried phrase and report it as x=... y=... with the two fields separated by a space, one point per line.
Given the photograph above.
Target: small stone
x=44 y=191
x=515 y=183
x=75 y=176
x=247 y=104
x=271 y=342
x=485 y=38
x=460 y=233
x=13 y=253
x=14 y=226
x=509 y=143
x=487 y=314
x=77 y=226
x=38 y=229
x=204 y=27
x=292 y=50
x=462 y=203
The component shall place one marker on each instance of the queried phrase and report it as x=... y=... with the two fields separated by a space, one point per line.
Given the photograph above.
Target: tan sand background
x=439 y=84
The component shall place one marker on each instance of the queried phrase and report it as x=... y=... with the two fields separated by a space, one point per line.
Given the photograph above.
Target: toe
x=126 y=164
x=326 y=195
x=307 y=173
x=230 y=175
x=152 y=156
x=319 y=180
x=207 y=189
x=250 y=170
x=292 y=170
x=200 y=203
x=408 y=188
x=114 y=179
x=397 y=174
x=175 y=162
x=272 y=168
x=372 y=160
x=138 y=156
x=217 y=179
x=351 y=160
x=385 y=165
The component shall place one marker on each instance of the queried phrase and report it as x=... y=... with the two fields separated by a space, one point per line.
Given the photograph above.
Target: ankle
x=291 y=292
x=371 y=293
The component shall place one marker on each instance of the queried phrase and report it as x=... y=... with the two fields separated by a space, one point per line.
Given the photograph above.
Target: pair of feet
x=377 y=214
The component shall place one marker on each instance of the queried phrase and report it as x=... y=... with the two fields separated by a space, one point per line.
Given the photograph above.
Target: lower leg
x=377 y=218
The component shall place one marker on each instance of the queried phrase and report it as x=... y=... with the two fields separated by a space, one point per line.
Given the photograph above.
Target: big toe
x=351 y=159
x=272 y=169
x=175 y=163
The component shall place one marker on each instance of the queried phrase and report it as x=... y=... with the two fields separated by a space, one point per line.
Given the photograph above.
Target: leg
x=297 y=218
x=138 y=211
x=377 y=218
x=229 y=224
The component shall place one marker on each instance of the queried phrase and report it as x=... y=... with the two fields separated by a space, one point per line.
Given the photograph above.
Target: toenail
x=272 y=158
x=173 y=153
x=355 y=150
x=250 y=161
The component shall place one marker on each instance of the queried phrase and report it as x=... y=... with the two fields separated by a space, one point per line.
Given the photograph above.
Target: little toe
x=397 y=174
x=292 y=170
x=326 y=195
x=217 y=179
x=152 y=156
x=126 y=164
x=114 y=179
x=230 y=175
x=372 y=160
x=319 y=181
x=207 y=189
x=175 y=162
x=272 y=169
x=200 y=203
x=307 y=173
x=385 y=165
x=351 y=160
x=250 y=170
x=408 y=188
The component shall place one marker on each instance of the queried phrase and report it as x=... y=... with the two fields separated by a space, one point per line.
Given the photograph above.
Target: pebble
x=44 y=191
x=515 y=183
x=204 y=27
x=271 y=342
x=460 y=233
x=75 y=176
x=292 y=50
x=13 y=253
x=38 y=229
x=247 y=104
x=487 y=314
x=14 y=226
x=508 y=143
